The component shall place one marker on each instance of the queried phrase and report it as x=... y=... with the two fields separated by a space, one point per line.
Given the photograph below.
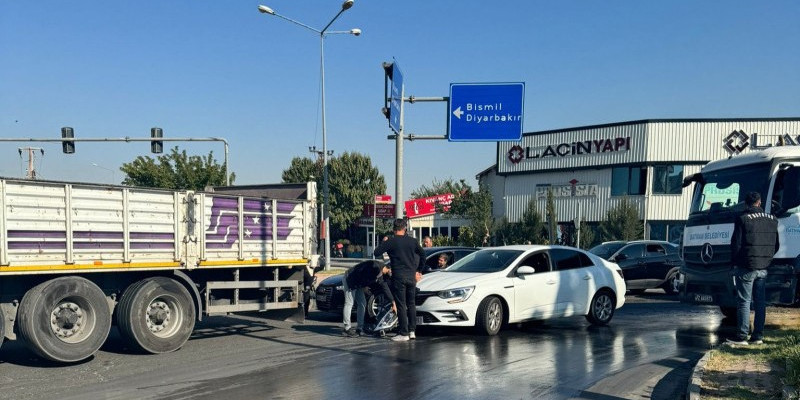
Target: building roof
x=646 y=121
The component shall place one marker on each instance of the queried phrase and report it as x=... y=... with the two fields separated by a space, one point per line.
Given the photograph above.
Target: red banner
x=383 y=199
x=428 y=205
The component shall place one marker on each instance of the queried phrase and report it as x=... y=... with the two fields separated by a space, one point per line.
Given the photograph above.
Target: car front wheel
x=489 y=318
x=602 y=308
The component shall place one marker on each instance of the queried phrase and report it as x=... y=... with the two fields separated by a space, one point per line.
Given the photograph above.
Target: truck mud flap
x=296 y=315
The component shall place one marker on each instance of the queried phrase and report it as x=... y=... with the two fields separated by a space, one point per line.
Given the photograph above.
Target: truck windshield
x=724 y=190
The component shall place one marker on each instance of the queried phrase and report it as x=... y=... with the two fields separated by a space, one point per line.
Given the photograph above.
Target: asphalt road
x=648 y=351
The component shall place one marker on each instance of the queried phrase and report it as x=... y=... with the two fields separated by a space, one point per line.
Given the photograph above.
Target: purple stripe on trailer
x=153 y=235
x=96 y=235
x=151 y=245
x=97 y=245
x=37 y=245
x=37 y=234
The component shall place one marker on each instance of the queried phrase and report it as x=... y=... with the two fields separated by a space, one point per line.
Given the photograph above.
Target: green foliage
x=441 y=187
x=530 y=229
x=552 y=218
x=176 y=170
x=622 y=222
x=352 y=182
x=476 y=207
x=586 y=235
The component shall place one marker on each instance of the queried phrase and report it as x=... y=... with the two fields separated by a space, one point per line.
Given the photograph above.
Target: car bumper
x=436 y=311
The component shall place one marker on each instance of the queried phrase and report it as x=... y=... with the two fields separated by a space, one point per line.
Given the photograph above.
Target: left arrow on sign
x=458 y=112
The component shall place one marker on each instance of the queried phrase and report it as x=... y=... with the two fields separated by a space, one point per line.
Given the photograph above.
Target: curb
x=696 y=379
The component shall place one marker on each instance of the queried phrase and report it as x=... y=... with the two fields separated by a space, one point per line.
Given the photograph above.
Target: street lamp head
x=355 y=31
x=347 y=4
x=267 y=10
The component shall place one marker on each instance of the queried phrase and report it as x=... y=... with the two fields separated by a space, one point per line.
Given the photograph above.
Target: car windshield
x=605 y=250
x=724 y=190
x=488 y=260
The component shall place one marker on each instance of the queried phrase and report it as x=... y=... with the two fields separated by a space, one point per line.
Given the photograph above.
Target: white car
x=499 y=285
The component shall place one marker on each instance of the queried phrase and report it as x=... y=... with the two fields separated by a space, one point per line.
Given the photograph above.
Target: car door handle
x=551 y=282
x=587 y=278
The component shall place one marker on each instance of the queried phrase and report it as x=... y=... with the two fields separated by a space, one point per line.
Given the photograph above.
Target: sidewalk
x=750 y=372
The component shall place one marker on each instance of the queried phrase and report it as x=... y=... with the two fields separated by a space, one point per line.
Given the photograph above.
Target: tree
x=176 y=170
x=352 y=182
x=552 y=218
x=441 y=187
x=586 y=235
x=530 y=228
x=475 y=206
x=622 y=222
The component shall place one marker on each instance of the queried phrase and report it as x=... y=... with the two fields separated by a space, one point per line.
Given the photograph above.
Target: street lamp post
x=322 y=33
x=113 y=174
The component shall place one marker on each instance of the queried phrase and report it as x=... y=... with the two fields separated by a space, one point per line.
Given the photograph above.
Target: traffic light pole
x=129 y=139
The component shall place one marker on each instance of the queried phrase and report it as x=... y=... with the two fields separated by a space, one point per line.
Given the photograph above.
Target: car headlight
x=456 y=295
x=340 y=288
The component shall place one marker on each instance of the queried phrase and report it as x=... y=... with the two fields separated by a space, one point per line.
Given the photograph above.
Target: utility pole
x=30 y=151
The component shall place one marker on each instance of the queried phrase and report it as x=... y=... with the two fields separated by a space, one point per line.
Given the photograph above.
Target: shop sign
x=567 y=149
x=571 y=190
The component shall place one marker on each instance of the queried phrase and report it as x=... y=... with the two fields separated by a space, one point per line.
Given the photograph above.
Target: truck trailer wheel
x=65 y=319
x=156 y=315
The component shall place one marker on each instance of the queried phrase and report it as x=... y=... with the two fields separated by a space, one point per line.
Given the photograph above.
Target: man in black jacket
x=408 y=260
x=364 y=274
x=754 y=243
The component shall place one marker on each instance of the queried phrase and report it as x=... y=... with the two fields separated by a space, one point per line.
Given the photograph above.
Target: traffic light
x=156 y=146
x=67 y=146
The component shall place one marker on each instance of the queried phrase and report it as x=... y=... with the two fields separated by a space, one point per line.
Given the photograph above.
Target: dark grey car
x=646 y=264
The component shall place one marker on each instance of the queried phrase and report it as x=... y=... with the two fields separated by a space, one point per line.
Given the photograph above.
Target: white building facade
x=591 y=169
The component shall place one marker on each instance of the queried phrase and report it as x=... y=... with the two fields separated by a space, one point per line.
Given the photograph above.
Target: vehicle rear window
x=564 y=259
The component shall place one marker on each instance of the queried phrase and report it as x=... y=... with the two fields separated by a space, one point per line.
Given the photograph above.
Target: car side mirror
x=525 y=270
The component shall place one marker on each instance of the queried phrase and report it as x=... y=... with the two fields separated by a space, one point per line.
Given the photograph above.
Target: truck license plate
x=703 y=298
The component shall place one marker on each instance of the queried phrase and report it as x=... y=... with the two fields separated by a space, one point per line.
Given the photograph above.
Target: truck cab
x=718 y=198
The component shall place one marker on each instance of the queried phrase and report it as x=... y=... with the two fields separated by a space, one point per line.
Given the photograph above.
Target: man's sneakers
x=350 y=332
x=400 y=338
x=412 y=335
x=735 y=342
x=756 y=341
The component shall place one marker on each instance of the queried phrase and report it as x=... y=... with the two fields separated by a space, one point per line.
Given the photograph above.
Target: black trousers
x=405 y=290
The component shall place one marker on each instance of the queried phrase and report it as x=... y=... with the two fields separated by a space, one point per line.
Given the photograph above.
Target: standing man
x=427 y=241
x=407 y=259
x=754 y=243
x=364 y=274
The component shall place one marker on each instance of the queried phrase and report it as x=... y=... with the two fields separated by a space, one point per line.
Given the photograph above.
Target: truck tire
x=2 y=326
x=156 y=315
x=65 y=319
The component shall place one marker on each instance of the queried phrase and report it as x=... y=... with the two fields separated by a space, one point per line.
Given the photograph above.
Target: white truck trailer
x=74 y=256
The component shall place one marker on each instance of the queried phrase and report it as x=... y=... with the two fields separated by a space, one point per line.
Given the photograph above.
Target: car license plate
x=703 y=298
x=419 y=321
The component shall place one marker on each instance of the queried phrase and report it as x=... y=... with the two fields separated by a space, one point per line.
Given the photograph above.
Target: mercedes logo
x=706 y=253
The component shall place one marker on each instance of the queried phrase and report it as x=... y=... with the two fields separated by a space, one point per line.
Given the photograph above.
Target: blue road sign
x=484 y=112
x=397 y=98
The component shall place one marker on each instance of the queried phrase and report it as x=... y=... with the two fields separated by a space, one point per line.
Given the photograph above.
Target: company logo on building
x=737 y=141
x=567 y=149
x=572 y=190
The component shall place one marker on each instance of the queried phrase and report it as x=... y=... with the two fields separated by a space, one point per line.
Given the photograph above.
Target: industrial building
x=590 y=169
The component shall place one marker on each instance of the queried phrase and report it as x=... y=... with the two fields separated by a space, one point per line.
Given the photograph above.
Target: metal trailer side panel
x=58 y=227
x=242 y=231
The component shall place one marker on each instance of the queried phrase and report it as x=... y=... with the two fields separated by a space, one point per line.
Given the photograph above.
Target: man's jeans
x=405 y=292
x=750 y=287
x=361 y=305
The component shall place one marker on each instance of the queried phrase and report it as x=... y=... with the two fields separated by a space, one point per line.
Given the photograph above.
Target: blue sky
x=222 y=69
